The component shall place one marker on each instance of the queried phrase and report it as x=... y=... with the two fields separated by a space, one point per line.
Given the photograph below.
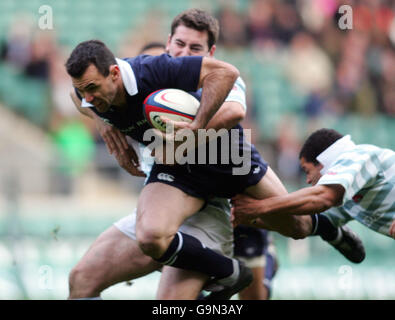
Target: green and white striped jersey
x=367 y=174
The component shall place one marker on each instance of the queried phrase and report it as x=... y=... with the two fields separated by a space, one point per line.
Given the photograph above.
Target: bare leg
x=256 y=290
x=179 y=284
x=269 y=186
x=160 y=212
x=112 y=258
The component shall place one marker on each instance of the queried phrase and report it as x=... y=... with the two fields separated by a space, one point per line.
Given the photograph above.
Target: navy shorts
x=206 y=181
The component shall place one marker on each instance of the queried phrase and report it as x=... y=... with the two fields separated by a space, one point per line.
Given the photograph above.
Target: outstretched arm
x=302 y=202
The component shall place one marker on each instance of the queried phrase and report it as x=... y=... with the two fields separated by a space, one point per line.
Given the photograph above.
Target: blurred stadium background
x=59 y=188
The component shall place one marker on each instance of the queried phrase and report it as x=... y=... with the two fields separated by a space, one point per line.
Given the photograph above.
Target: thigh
x=269 y=186
x=114 y=257
x=162 y=208
x=179 y=284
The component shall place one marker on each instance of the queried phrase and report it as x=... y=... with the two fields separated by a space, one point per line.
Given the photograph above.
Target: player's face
x=312 y=171
x=189 y=42
x=96 y=88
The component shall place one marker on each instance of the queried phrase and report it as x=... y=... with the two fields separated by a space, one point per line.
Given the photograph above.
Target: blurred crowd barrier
x=60 y=188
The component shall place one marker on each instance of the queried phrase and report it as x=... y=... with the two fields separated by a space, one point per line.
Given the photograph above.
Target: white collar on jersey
x=330 y=154
x=128 y=78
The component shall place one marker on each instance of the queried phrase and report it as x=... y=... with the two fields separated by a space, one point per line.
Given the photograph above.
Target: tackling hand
x=245 y=210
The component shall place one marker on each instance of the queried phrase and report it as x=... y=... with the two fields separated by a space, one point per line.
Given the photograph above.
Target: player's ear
x=212 y=50
x=114 y=72
x=168 y=43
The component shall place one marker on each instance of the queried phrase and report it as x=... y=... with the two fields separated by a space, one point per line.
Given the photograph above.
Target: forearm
x=302 y=202
x=229 y=115
x=216 y=87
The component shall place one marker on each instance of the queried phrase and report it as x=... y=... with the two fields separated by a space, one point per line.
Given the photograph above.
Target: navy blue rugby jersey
x=151 y=73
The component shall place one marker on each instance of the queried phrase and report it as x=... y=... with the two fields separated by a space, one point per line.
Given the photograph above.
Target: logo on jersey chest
x=129 y=129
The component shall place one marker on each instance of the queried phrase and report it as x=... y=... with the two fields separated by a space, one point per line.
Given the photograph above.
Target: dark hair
x=317 y=142
x=87 y=53
x=153 y=45
x=199 y=20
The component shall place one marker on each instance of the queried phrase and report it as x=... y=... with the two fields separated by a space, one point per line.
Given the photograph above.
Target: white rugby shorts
x=211 y=226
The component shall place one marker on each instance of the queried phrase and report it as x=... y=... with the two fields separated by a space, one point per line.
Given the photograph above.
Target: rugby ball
x=174 y=104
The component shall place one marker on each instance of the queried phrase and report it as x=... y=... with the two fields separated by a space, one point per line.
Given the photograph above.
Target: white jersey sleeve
x=238 y=93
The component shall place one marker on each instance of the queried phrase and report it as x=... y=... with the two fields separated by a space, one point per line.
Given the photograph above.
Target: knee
x=302 y=227
x=152 y=241
x=83 y=283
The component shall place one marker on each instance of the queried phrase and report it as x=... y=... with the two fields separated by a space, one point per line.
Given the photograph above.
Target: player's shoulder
x=147 y=59
x=163 y=61
x=367 y=148
x=148 y=67
x=382 y=158
x=365 y=155
x=360 y=151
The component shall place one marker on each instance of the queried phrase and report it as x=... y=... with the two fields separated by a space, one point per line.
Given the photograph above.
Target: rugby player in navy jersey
x=115 y=256
x=97 y=269
x=117 y=97
x=194 y=32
